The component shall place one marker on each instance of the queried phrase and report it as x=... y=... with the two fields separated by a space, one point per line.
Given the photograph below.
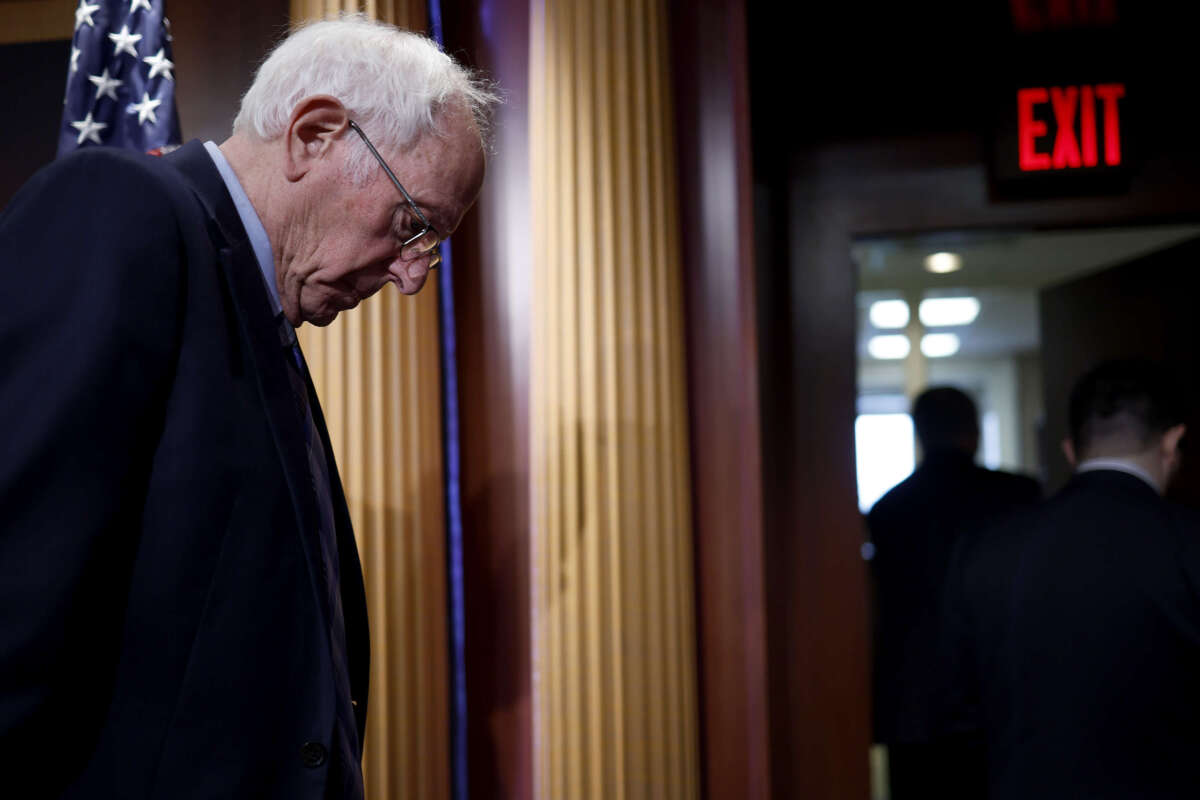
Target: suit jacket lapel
x=266 y=351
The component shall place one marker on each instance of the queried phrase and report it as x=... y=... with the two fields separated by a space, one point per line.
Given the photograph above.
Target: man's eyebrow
x=429 y=209
x=432 y=212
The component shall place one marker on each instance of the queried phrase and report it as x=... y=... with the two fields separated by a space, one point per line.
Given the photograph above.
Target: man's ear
x=1068 y=448
x=1171 y=440
x=316 y=123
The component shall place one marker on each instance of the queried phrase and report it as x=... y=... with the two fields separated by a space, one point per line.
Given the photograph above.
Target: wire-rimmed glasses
x=425 y=242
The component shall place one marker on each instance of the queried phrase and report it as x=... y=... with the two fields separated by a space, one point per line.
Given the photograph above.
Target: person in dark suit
x=913 y=530
x=1074 y=629
x=182 y=611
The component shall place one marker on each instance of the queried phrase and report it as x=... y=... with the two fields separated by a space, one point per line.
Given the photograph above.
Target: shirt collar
x=259 y=241
x=1119 y=465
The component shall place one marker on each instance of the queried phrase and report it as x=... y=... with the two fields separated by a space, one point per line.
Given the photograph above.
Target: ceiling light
x=942 y=312
x=891 y=346
x=943 y=262
x=889 y=313
x=939 y=345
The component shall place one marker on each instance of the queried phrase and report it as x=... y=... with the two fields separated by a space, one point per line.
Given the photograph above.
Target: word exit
x=1074 y=142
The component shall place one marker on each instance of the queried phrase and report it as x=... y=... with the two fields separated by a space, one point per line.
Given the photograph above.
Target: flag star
x=167 y=28
x=105 y=85
x=75 y=51
x=160 y=64
x=124 y=41
x=89 y=129
x=84 y=14
x=134 y=5
x=145 y=109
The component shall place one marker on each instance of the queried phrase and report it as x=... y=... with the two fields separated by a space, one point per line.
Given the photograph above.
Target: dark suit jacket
x=161 y=633
x=914 y=528
x=1076 y=632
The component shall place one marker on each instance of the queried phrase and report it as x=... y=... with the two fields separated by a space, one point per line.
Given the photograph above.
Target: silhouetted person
x=1076 y=626
x=914 y=528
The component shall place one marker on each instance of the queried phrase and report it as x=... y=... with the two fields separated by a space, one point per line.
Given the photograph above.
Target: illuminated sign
x=1073 y=141
x=1063 y=138
x=1035 y=16
x=1069 y=117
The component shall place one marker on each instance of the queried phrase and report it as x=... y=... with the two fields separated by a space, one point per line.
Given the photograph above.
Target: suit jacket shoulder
x=172 y=641
x=1077 y=627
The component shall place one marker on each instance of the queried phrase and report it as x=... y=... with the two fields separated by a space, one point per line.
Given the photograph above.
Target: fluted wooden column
x=408 y=14
x=377 y=371
x=615 y=675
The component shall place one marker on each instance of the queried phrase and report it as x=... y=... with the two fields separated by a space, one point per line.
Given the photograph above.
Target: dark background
x=33 y=76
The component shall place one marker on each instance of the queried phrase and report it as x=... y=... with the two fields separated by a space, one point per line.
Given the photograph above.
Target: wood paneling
x=1142 y=308
x=36 y=21
x=716 y=203
x=493 y=286
x=217 y=47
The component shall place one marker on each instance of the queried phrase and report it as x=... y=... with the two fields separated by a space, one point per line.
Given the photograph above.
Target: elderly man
x=1076 y=626
x=181 y=605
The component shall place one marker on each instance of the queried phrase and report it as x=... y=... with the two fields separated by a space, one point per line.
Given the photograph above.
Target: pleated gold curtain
x=615 y=677
x=377 y=372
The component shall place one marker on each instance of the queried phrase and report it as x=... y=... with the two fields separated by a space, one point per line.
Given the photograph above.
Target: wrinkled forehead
x=444 y=172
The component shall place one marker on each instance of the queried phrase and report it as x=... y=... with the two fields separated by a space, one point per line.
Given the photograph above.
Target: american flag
x=120 y=81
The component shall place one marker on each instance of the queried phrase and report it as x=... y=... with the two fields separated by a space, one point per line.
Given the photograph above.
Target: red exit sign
x=1035 y=16
x=1086 y=129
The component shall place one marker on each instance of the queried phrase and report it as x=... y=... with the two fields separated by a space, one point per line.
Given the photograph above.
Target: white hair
x=393 y=82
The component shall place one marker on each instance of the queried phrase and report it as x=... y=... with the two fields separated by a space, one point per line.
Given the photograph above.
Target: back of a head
x=946 y=419
x=393 y=82
x=1121 y=406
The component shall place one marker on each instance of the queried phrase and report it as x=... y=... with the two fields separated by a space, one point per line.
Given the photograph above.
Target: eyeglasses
x=425 y=242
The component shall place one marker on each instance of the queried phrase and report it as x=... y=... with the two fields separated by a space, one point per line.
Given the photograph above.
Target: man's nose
x=409 y=276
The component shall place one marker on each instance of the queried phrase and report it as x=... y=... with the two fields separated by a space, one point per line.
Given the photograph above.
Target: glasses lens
x=423 y=245
x=420 y=244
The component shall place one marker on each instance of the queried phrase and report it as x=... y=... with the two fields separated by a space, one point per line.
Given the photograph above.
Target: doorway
x=1011 y=318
